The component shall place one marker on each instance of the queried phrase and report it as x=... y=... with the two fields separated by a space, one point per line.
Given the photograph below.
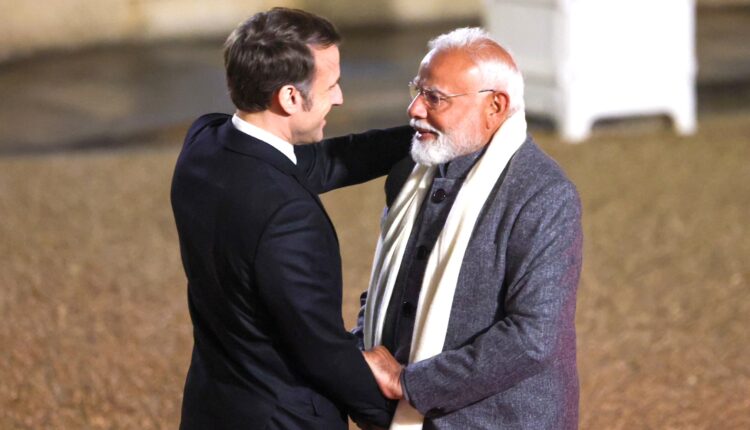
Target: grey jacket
x=509 y=359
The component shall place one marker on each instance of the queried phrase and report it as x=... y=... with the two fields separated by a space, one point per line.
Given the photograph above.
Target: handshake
x=386 y=370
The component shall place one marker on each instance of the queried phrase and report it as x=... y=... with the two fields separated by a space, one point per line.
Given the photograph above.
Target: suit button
x=422 y=252
x=439 y=195
x=407 y=309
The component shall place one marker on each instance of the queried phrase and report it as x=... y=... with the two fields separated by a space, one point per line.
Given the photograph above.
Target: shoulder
x=205 y=121
x=261 y=182
x=258 y=199
x=532 y=172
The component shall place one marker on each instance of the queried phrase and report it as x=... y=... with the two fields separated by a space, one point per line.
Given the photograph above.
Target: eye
x=431 y=97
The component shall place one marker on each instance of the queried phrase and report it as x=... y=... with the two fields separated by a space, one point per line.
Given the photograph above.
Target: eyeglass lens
x=430 y=97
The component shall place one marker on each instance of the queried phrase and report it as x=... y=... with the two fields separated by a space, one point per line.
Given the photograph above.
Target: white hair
x=497 y=74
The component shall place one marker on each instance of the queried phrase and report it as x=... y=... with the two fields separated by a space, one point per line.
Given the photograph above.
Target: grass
x=96 y=332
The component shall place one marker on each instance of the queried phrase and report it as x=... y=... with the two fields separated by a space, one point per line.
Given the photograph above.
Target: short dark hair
x=270 y=50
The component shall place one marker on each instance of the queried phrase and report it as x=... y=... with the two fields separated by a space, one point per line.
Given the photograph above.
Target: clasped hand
x=386 y=370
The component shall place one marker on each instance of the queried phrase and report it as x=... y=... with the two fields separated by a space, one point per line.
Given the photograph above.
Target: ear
x=289 y=99
x=497 y=109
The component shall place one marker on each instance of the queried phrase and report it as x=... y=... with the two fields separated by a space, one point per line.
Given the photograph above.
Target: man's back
x=264 y=290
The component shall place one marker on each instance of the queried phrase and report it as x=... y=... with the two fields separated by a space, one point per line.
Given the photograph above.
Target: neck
x=268 y=121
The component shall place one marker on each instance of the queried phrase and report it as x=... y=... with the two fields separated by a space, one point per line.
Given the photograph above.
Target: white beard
x=443 y=149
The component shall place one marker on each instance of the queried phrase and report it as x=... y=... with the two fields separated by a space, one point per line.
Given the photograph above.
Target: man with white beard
x=474 y=281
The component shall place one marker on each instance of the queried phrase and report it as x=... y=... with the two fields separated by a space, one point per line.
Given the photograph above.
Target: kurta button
x=422 y=252
x=407 y=309
x=439 y=195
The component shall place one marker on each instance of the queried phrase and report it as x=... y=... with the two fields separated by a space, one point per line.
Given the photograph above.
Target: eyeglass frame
x=416 y=91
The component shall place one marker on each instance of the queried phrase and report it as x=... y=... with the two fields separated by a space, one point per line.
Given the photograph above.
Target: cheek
x=459 y=125
x=444 y=123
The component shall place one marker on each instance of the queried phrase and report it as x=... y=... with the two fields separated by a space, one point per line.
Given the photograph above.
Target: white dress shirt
x=280 y=144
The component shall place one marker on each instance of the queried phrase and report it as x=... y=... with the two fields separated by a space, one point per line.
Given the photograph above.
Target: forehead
x=450 y=69
x=326 y=59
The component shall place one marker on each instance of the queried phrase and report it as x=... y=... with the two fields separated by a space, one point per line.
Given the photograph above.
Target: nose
x=417 y=107
x=337 y=98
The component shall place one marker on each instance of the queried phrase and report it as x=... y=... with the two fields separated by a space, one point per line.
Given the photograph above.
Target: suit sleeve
x=353 y=159
x=544 y=260
x=299 y=281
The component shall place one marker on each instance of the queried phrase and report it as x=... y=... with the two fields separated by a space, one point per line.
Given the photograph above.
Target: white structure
x=583 y=60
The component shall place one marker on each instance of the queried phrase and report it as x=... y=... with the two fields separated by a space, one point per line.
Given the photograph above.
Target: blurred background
x=95 y=98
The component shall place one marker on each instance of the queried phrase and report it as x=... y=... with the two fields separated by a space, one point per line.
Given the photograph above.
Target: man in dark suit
x=259 y=252
x=474 y=282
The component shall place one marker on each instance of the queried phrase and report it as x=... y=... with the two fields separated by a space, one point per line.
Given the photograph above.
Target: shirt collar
x=280 y=144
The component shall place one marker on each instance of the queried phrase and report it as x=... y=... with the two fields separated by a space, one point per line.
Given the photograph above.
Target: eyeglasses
x=433 y=98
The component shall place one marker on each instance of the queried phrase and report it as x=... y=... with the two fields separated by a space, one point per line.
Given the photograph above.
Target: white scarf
x=444 y=264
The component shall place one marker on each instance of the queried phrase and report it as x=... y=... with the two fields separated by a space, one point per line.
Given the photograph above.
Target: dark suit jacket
x=509 y=358
x=264 y=279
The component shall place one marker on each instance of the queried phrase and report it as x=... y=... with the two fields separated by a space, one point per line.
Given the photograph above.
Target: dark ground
x=96 y=332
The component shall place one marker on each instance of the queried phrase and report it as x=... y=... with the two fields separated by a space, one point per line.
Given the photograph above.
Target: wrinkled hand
x=387 y=371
